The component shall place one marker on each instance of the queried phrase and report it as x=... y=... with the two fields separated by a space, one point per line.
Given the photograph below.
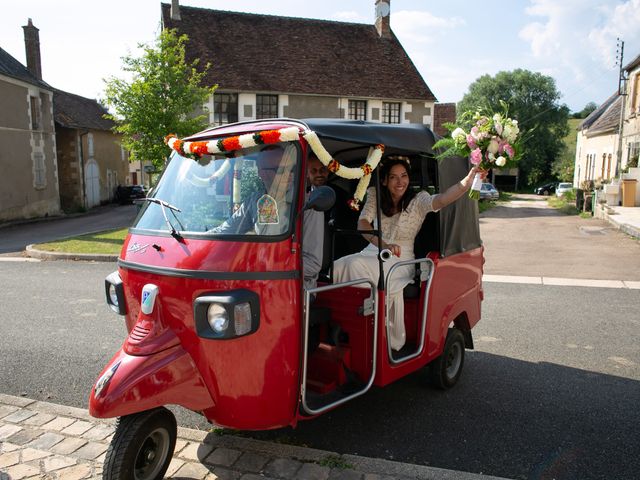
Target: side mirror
x=320 y=199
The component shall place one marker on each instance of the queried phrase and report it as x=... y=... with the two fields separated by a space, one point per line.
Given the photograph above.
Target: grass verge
x=108 y=242
x=565 y=204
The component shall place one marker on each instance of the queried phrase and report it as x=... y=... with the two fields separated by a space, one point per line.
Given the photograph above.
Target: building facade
x=29 y=180
x=597 y=143
x=91 y=161
x=270 y=66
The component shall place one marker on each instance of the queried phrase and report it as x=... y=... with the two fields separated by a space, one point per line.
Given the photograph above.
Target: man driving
x=266 y=211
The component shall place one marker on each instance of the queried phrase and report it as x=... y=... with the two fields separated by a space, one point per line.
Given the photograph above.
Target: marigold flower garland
x=265 y=137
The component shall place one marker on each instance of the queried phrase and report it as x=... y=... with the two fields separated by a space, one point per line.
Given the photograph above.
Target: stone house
x=60 y=153
x=597 y=143
x=29 y=180
x=631 y=128
x=91 y=161
x=269 y=66
x=606 y=151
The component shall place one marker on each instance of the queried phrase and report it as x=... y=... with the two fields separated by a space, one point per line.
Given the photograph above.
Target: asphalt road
x=550 y=392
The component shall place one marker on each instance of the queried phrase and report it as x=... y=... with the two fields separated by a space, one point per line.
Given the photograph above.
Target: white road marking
x=564 y=282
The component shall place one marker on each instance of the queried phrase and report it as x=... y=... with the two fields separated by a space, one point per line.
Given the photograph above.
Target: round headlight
x=113 y=296
x=218 y=318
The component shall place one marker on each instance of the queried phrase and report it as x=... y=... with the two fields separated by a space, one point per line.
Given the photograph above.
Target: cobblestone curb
x=40 y=440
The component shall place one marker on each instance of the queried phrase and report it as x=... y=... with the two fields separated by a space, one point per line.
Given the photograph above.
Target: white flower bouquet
x=489 y=141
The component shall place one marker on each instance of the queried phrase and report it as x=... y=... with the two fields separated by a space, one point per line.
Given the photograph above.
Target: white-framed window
x=390 y=112
x=357 y=109
x=39 y=172
x=36 y=114
x=266 y=106
x=90 y=145
x=225 y=108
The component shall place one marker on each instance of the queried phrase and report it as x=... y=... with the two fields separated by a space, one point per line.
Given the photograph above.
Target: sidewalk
x=40 y=440
x=626 y=219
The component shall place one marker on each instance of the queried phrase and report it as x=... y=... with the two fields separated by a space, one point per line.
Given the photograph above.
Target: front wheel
x=445 y=370
x=142 y=446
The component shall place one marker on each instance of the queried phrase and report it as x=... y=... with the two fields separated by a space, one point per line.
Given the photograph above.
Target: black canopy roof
x=407 y=137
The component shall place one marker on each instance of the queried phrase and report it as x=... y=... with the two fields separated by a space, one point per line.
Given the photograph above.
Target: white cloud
x=575 y=40
x=421 y=26
x=622 y=23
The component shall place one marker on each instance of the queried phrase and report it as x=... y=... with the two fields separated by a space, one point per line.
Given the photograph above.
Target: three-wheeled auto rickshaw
x=210 y=285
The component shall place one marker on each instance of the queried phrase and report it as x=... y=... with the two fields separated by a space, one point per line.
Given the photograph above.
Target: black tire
x=142 y=446
x=445 y=370
x=546 y=193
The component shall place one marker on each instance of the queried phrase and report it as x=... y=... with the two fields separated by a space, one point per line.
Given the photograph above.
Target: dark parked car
x=546 y=189
x=489 y=192
x=129 y=193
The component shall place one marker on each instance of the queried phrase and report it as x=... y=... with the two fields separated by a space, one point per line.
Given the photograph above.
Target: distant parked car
x=489 y=192
x=546 y=189
x=129 y=193
x=563 y=187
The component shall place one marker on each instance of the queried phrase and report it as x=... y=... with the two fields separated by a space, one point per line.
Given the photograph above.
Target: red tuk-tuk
x=218 y=319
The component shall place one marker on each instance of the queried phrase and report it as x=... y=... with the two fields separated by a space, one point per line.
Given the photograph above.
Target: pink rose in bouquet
x=490 y=141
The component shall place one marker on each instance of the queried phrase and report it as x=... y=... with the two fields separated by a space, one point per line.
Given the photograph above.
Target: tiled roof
x=11 y=67
x=265 y=53
x=605 y=118
x=74 y=111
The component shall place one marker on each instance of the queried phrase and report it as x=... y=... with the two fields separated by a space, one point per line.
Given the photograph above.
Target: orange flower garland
x=230 y=144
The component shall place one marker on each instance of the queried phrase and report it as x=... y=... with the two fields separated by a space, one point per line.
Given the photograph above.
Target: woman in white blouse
x=403 y=212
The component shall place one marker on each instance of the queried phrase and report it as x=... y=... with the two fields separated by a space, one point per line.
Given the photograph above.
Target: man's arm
x=312 y=246
x=240 y=222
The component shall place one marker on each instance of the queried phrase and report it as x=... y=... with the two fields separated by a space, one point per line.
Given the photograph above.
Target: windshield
x=249 y=194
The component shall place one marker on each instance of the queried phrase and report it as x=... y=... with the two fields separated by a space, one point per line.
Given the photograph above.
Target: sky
x=451 y=42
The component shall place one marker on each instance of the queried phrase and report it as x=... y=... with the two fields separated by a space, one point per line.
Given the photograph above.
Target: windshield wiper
x=164 y=205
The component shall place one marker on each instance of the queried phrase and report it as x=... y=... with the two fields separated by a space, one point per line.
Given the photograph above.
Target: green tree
x=586 y=111
x=564 y=165
x=532 y=99
x=162 y=97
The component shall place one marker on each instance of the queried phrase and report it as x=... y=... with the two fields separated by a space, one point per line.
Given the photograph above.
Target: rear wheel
x=445 y=370
x=142 y=446
x=546 y=193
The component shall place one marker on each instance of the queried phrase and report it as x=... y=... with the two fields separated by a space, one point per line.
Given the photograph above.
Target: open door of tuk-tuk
x=448 y=262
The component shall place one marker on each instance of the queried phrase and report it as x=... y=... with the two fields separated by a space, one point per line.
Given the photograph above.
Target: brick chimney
x=32 y=49
x=382 y=18
x=175 y=10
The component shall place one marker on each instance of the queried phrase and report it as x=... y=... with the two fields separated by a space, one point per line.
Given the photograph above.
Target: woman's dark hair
x=386 y=203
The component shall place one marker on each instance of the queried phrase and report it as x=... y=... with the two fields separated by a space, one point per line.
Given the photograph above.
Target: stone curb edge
x=33 y=252
x=624 y=227
x=363 y=464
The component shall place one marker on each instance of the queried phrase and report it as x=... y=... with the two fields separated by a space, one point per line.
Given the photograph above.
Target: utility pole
x=622 y=90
